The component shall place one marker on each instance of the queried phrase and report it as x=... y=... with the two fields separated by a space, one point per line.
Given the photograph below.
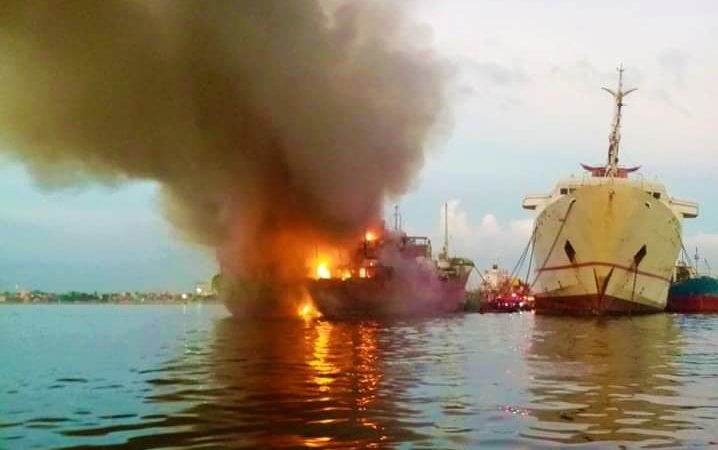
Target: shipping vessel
x=694 y=295
x=692 y=292
x=392 y=274
x=607 y=242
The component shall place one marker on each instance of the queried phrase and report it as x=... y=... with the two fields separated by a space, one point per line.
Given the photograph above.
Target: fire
x=323 y=271
x=328 y=263
x=370 y=236
x=307 y=311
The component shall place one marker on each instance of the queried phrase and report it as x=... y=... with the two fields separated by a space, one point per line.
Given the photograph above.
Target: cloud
x=673 y=62
x=666 y=98
x=495 y=73
x=492 y=82
x=487 y=241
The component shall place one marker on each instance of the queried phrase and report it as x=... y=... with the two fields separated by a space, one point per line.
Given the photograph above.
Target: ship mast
x=445 y=248
x=397 y=218
x=614 y=138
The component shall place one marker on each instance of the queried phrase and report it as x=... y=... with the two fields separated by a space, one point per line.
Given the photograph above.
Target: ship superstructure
x=606 y=242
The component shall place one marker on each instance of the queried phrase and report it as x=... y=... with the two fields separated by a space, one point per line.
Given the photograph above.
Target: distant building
x=204 y=289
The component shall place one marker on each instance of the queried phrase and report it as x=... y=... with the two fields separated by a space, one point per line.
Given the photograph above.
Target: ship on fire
x=391 y=273
x=606 y=243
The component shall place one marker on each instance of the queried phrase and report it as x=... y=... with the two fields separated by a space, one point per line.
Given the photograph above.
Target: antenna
x=445 y=248
x=697 y=257
x=397 y=218
x=614 y=138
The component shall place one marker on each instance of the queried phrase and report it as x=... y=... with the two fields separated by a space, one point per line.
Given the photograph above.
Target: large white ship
x=607 y=242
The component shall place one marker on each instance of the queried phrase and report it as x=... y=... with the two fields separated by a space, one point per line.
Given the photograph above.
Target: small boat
x=692 y=292
x=509 y=303
x=500 y=293
x=694 y=295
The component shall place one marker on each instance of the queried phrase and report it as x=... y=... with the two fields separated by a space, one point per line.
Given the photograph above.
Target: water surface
x=137 y=377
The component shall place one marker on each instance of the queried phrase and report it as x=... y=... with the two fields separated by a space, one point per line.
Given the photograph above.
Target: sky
x=526 y=109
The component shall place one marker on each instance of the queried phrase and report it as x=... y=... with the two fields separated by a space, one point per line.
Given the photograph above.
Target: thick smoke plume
x=269 y=124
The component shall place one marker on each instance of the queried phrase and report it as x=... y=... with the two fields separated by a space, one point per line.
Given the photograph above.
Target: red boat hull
x=592 y=304
x=693 y=304
x=694 y=295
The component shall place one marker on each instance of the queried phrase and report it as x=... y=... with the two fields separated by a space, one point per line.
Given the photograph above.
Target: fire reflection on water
x=345 y=364
x=368 y=376
x=516 y=381
x=323 y=370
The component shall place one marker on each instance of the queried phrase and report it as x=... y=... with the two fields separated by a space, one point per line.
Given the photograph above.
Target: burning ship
x=391 y=274
x=607 y=242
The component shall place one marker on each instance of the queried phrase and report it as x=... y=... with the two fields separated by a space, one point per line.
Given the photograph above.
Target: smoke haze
x=268 y=124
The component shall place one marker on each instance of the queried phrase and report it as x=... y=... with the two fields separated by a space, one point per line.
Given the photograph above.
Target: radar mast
x=614 y=138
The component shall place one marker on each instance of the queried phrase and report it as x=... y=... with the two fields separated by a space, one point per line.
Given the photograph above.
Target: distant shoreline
x=196 y=302
x=22 y=297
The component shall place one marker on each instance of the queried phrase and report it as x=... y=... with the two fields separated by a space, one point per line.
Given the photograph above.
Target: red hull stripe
x=604 y=264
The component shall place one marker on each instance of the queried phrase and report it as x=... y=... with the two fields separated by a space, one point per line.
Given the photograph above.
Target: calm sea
x=137 y=377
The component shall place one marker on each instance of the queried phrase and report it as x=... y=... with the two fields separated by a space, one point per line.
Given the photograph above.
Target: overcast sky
x=527 y=109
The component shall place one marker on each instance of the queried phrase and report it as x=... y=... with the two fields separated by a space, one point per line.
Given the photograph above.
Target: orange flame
x=328 y=263
x=370 y=236
x=307 y=311
x=322 y=271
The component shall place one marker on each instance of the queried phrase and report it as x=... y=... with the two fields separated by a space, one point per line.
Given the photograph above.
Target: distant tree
x=217 y=283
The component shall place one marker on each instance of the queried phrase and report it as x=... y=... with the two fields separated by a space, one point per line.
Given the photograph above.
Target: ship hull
x=695 y=295
x=590 y=304
x=377 y=298
x=694 y=304
x=605 y=249
x=260 y=298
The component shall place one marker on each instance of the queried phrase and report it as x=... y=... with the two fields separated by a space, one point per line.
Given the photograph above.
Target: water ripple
x=202 y=380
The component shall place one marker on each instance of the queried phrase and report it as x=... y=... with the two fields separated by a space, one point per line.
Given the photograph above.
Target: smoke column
x=268 y=124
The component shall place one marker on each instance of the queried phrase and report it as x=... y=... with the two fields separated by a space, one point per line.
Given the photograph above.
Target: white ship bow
x=606 y=243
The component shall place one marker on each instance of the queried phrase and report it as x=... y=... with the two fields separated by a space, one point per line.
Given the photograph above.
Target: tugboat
x=692 y=292
x=392 y=274
x=500 y=293
x=606 y=243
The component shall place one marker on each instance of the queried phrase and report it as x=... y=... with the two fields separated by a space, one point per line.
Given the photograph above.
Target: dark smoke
x=269 y=124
